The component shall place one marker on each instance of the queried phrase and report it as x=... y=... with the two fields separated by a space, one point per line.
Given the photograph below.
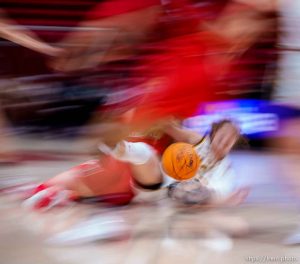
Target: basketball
x=180 y=161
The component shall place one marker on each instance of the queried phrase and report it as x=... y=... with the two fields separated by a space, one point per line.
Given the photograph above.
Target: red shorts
x=107 y=180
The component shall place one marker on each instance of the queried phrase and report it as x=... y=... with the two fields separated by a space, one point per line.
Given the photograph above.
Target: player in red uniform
x=122 y=169
x=181 y=57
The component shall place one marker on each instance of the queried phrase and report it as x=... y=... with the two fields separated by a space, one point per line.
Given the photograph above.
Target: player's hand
x=224 y=140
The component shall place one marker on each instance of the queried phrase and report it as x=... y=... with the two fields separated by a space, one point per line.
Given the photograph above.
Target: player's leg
x=58 y=190
x=144 y=161
x=106 y=180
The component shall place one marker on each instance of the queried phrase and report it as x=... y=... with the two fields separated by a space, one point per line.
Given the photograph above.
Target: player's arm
x=11 y=31
x=183 y=135
x=113 y=38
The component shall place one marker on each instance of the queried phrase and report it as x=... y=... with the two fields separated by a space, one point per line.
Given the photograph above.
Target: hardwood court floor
x=155 y=232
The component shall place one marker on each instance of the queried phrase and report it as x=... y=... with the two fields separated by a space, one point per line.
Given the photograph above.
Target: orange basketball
x=180 y=161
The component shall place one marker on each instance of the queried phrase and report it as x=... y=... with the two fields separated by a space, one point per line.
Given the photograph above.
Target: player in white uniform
x=213 y=185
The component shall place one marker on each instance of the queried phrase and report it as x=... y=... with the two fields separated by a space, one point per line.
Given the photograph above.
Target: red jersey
x=110 y=8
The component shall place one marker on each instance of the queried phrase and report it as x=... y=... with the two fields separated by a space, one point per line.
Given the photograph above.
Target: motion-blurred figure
x=179 y=56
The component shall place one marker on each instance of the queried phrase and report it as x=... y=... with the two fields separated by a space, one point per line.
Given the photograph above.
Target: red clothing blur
x=186 y=77
x=107 y=178
x=117 y=7
x=176 y=57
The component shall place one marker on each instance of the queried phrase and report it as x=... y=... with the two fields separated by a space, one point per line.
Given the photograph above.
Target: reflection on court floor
x=153 y=232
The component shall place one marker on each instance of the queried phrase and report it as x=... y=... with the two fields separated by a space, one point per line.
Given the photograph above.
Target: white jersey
x=217 y=178
x=214 y=178
x=215 y=175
